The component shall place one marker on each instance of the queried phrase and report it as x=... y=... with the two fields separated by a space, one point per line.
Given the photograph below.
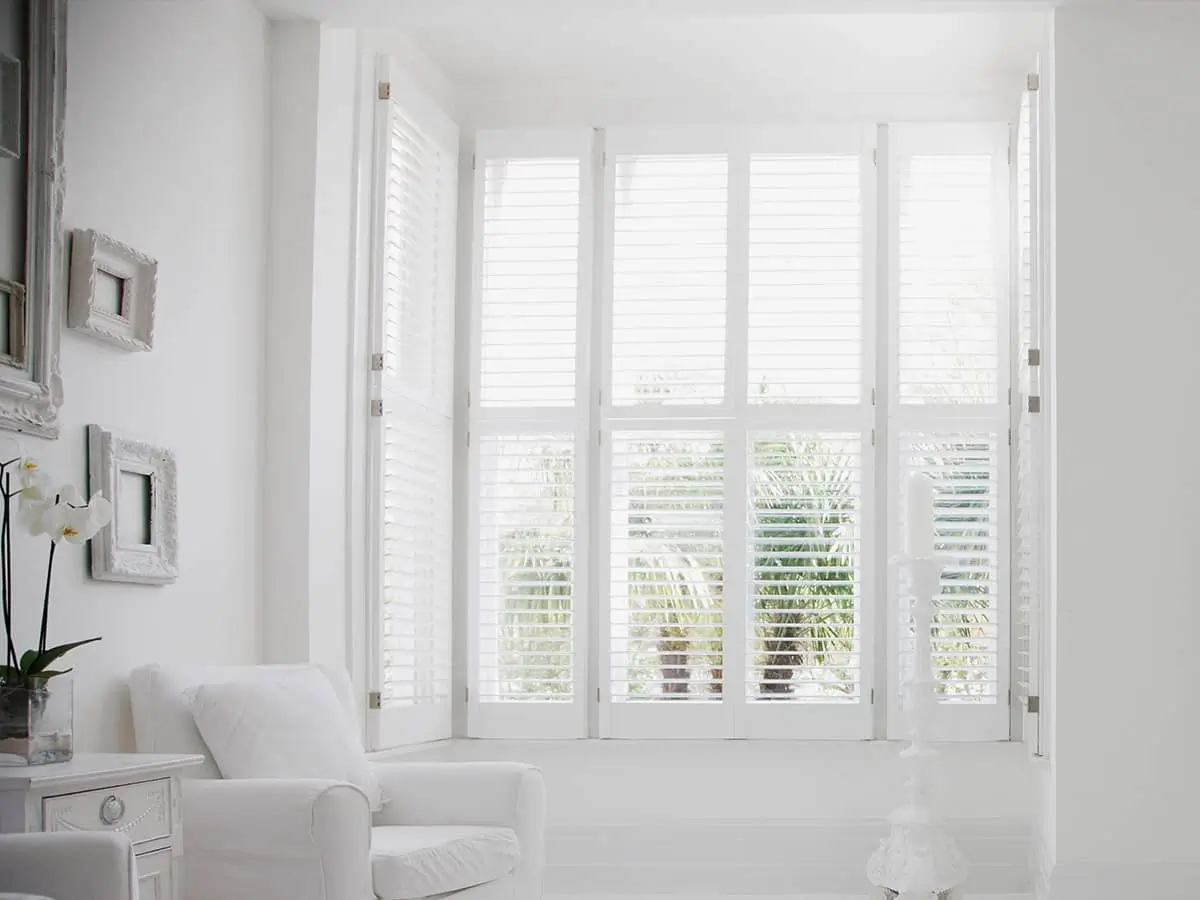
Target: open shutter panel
x=806 y=279
x=413 y=330
x=668 y=279
x=1025 y=462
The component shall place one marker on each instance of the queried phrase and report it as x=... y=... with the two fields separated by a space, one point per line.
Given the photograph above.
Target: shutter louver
x=949 y=316
x=806 y=285
x=965 y=471
x=668 y=279
x=411 y=464
x=530 y=272
x=527 y=591
x=805 y=551
x=666 y=574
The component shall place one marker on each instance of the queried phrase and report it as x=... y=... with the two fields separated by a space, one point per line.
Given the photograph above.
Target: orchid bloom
x=74 y=522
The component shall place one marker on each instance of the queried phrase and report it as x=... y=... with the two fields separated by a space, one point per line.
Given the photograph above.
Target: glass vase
x=35 y=723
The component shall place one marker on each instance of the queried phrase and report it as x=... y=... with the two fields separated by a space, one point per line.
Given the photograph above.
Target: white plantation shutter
x=733 y=593
x=527 y=635
x=949 y=416
x=412 y=332
x=1027 y=461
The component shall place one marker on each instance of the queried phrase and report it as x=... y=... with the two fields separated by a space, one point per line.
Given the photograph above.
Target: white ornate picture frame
x=141 y=544
x=31 y=386
x=113 y=289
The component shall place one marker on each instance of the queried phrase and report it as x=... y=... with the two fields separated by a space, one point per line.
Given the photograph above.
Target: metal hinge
x=1035 y=404
x=472 y=163
x=1010 y=396
x=875 y=156
x=1010 y=696
x=872 y=396
x=1033 y=705
x=468 y=399
x=600 y=397
x=600 y=436
x=468 y=439
x=374 y=700
x=597 y=695
x=385 y=90
x=1033 y=81
x=466 y=695
x=872 y=696
x=1010 y=152
x=376 y=408
x=1034 y=357
x=376 y=362
x=872 y=437
x=1010 y=437
x=604 y=158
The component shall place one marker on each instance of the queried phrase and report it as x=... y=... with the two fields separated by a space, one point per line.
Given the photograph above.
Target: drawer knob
x=111 y=810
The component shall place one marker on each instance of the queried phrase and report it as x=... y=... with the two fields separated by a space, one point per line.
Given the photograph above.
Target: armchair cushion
x=422 y=861
x=288 y=726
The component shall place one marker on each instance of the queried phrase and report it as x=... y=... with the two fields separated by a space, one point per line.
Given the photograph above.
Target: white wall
x=1126 y=784
x=165 y=150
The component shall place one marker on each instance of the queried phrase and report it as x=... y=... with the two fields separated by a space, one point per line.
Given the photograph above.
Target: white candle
x=919 y=520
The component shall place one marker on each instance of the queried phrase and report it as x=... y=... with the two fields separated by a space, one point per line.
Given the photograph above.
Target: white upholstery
x=311 y=839
x=92 y=865
x=290 y=726
x=420 y=861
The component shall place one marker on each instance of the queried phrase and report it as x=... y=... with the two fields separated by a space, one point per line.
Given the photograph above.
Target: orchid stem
x=6 y=573
x=46 y=600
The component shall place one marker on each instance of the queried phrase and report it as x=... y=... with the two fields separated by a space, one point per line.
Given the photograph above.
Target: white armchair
x=90 y=865
x=464 y=830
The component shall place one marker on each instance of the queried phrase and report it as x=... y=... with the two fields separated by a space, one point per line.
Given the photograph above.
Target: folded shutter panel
x=668 y=279
x=806 y=279
x=412 y=328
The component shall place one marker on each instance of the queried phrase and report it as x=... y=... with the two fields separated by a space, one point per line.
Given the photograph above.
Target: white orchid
x=76 y=522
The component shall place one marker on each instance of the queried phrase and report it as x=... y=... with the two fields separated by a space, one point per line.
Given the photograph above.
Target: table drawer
x=140 y=811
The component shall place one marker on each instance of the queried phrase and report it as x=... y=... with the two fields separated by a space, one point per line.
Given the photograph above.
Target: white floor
x=757 y=897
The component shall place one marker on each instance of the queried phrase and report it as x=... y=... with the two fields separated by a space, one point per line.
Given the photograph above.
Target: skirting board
x=763 y=858
x=1151 y=881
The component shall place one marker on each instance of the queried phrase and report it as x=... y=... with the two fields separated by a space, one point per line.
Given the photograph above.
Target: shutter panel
x=666 y=576
x=530 y=271
x=949 y=316
x=1026 y=461
x=668 y=279
x=527 y=638
x=411 y=467
x=805 y=536
x=806 y=284
x=527 y=586
x=949 y=415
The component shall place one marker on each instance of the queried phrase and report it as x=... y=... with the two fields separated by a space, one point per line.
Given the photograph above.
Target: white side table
x=136 y=794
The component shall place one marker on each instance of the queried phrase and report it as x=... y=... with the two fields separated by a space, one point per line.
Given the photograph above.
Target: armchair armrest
x=305 y=839
x=91 y=865
x=512 y=795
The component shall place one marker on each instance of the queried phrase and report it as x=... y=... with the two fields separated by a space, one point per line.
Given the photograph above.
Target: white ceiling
x=729 y=48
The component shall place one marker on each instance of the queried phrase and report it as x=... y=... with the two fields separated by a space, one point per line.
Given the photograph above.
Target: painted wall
x=1128 y=313
x=165 y=150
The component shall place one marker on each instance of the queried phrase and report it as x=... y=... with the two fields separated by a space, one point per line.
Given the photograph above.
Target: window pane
x=965 y=471
x=806 y=284
x=949 y=315
x=667 y=566
x=805 y=547
x=530 y=288
x=526 y=568
x=669 y=279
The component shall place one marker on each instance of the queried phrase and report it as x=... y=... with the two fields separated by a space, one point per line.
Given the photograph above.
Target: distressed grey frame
x=31 y=393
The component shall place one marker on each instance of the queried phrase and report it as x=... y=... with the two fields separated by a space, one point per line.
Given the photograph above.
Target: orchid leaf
x=27 y=660
x=44 y=659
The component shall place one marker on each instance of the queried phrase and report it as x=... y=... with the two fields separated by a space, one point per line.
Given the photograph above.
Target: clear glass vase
x=35 y=723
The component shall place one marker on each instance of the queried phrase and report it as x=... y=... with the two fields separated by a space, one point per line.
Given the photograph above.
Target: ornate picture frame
x=112 y=292
x=31 y=388
x=141 y=544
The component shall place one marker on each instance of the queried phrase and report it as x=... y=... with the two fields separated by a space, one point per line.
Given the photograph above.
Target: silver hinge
x=1033 y=705
x=1010 y=696
x=872 y=396
x=473 y=163
x=1010 y=152
x=872 y=696
x=374 y=700
x=875 y=156
x=1010 y=396
x=466 y=695
x=872 y=437
x=600 y=397
x=468 y=399
x=1035 y=404
x=1010 y=437
x=600 y=436
x=604 y=158
x=468 y=439
x=1035 y=356
x=376 y=362
x=376 y=408
x=1033 y=81
x=597 y=695
x=385 y=90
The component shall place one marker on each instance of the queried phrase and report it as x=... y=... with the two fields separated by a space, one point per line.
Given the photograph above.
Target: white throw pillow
x=282 y=725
